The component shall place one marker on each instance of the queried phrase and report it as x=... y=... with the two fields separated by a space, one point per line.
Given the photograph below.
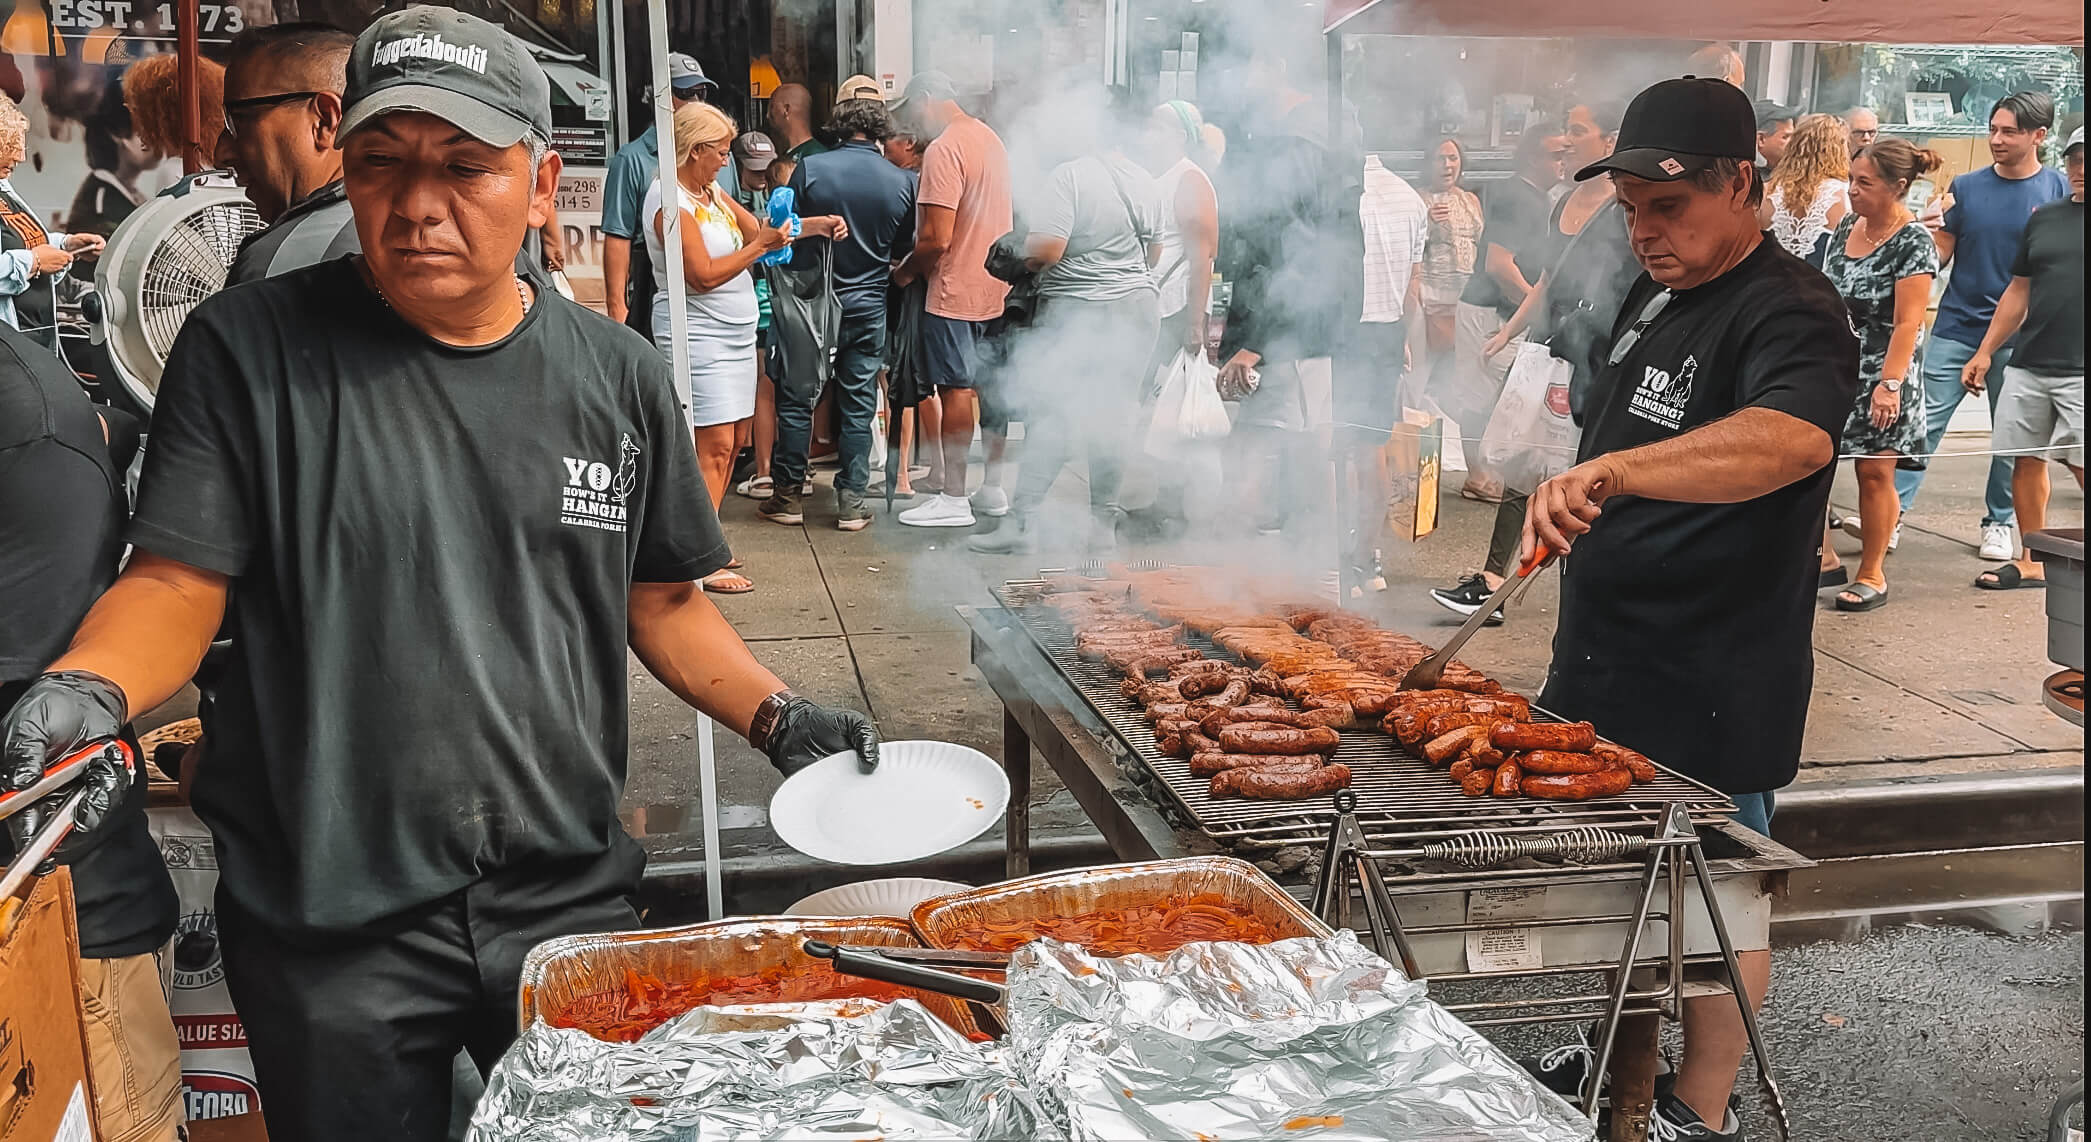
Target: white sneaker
x=1998 y=542
x=1895 y=538
x=940 y=511
x=991 y=501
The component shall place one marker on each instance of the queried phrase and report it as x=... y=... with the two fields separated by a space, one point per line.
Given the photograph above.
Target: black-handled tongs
x=872 y=963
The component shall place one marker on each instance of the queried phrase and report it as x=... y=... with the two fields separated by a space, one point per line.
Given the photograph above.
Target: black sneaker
x=1467 y=597
x=1673 y=1121
x=782 y=507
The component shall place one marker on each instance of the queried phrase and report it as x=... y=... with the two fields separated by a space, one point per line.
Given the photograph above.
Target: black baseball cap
x=1679 y=127
x=457 y=67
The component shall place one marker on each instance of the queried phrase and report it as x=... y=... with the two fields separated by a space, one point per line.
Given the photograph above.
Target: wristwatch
x=1888 y=383
x=765 y=720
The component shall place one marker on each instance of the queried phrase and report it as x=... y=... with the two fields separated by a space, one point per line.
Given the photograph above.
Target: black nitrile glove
x=56 y=717
x=806 y=732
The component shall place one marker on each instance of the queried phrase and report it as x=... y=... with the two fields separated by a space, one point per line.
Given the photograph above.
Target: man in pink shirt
x=962 y=207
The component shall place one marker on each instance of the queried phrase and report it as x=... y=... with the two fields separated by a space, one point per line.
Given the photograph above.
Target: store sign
x=215 y=23
x=580 y=204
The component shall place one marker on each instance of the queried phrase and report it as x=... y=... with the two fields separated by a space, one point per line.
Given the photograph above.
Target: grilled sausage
x=1160 y=710
x=1574 y=737
x=1282 y=784
x=1438 y=725
x=1212 y=720
x=1460 y=769
x=1636 y=763
x=1214 y=764
x=1269 y=737
x=1198 y=743
x=1562 y=764
x=1478 y=782
x=1196 y=686
x=1581 y=787
x=1169 y=743
x=1427 y=702
x=1442 y=749
x=1508 y=777
x=1483 y=754
x=1201 y=666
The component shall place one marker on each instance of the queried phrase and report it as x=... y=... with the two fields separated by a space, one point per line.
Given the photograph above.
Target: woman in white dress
x=720 y=242
x=1808 y=193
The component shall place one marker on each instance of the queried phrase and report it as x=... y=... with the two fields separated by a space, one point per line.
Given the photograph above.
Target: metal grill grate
x=1401 y=798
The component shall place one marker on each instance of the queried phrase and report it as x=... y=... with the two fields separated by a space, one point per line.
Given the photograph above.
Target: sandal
x=1862 y=597
x=1832 y=577
x=2008 y=578
x=734 y=565
x=725 y=582
x=756 y=488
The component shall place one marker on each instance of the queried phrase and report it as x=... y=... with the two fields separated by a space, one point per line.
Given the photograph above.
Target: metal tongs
x=1425 y=674
x=45 y=841
x=909 y=967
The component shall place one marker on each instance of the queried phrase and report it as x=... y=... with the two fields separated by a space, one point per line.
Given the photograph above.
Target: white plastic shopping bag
x=1530 y=436
x=1204 y=414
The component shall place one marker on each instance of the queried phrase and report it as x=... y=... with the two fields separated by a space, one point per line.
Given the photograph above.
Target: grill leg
x=1623 y=982
x=1767 y=1085
x=1016 y=824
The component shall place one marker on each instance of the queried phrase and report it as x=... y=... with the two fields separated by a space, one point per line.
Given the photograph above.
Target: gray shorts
x=2040 y=415
x=1294 y=396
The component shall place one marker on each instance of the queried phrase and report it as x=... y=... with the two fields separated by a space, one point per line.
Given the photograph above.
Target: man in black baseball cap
x=450 y=506
x=1692 y=520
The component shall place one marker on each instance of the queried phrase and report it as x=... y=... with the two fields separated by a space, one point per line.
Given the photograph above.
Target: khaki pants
x=133 y=1055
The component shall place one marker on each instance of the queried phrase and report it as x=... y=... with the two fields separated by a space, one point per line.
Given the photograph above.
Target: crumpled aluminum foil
x=1304 y=1038
x=847 y=1069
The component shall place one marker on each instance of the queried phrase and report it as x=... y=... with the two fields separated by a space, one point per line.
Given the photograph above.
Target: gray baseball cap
x=457 y=67
x=926 y=87
x=685 y=75
x=2076 y=139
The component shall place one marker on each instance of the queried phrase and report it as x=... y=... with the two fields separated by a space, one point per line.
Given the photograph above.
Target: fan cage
x=190 y=264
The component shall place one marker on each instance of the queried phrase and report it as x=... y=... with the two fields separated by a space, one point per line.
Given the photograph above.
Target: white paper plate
x=893 y=896
x=926 y=798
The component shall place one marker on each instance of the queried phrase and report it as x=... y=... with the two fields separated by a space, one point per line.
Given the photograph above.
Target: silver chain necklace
x=522 y=291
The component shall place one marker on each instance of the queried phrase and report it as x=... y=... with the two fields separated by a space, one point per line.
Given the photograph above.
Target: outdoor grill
x=1405 y=857
x=1402 y=800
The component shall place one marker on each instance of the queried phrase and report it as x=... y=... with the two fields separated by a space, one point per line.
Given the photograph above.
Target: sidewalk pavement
x=1944 y=679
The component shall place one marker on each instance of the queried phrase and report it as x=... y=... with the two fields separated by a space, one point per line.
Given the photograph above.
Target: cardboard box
x=238 y=1128
x=44 y=1092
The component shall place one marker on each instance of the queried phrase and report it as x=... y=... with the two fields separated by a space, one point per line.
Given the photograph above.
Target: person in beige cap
x=859 y=87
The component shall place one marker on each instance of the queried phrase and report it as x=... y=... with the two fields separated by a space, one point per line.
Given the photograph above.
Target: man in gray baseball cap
x=402 y=809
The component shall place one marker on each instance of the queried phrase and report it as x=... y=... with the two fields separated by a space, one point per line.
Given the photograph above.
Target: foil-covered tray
x=560 y=972
x=940 y=920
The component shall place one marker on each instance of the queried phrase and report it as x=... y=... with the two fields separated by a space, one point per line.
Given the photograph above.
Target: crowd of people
x=393 y=414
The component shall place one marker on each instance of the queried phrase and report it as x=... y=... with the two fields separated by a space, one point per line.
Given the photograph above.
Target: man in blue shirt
x=633 y=168
x=876 y=201
x=1979 y=237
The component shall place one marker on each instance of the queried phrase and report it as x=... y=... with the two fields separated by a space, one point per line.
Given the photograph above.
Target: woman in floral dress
x=1882 y=261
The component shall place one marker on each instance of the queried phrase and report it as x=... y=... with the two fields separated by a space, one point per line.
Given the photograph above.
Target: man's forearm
x=686 y=643
x=1749 y=453
x=148 y=632
x=2011 y=313
x=922 y=260
x=617 y=274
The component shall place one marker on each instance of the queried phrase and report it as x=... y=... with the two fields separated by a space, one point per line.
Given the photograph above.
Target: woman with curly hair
x=1808 y=192
x=31 y=255
x=151 y=91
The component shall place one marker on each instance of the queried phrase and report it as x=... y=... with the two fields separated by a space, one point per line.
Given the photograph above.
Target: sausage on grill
x=1561 y=763
x=1477 y=782
x=1575 y=737
x=1214 y=764
x=1635 y=762
x=1269 y=737
x=1282 y=784
x=1508 y=776
x=1443 y=748
x=1581 y=787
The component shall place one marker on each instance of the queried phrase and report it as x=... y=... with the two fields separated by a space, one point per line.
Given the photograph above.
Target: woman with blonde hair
x=721 y=243
x=1808 y=193
x=30 y=255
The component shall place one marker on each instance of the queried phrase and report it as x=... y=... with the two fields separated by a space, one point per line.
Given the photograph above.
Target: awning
x=2022 y=22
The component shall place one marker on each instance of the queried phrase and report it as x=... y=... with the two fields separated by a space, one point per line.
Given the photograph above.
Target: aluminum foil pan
x=1304 y=1038
x=559 y=972
x=941 y=921
x=841 y=1070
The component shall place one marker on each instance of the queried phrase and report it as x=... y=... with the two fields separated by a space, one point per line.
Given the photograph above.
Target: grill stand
x=1348 y=858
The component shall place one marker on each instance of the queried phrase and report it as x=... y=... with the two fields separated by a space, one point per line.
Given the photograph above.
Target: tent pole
x=679 y=366
x=188 y=87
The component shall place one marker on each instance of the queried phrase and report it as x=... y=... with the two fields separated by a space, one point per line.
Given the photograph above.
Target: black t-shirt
x=2051 y=253
x=1686 y=628
x=433 y=549
x=876 y=199
x=1515 y=218
x=62 y=506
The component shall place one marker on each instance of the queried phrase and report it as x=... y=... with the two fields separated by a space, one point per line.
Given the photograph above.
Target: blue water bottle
x=782 y=200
